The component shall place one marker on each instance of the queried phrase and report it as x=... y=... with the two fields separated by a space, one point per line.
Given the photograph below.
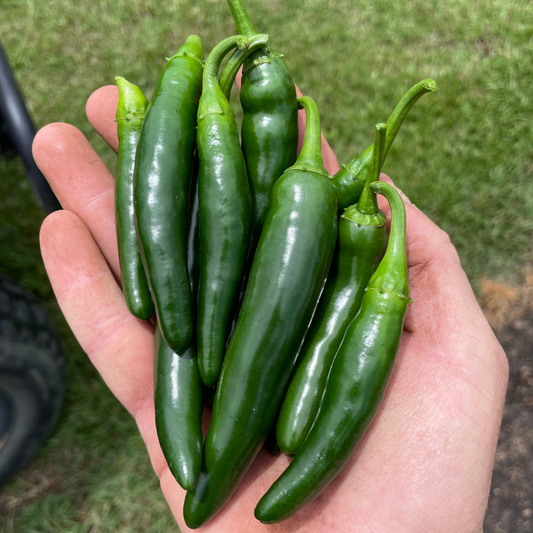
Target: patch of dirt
x=510 y=507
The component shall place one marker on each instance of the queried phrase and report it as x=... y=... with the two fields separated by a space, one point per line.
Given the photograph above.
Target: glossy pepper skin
x=362 y=241
x=270 y=120
x=193 y=243
x=130 y=113
x=178 y=389
x=350 y=179
x=224 y=210
x=165 y=159
x=357 y=381
x=287 y=276
x=178 y=410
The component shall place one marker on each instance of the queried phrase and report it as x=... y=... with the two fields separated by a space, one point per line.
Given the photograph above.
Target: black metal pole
x=22 y=132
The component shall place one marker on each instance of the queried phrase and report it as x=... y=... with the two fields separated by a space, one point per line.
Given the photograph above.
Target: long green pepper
x=350 y=179
x=287 y=276
x=178 y=410
x=165 y=160
x=224 y=210
x=130 y=113
x=270 y=120
x=362 y=240
x=357 y=380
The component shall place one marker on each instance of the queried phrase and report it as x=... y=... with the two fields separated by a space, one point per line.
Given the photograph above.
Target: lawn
x=464 y=157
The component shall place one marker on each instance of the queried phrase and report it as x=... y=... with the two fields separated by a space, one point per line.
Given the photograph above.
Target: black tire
x=32 y=377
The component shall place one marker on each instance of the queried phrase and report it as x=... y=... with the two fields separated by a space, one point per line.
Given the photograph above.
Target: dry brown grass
x=502 y=304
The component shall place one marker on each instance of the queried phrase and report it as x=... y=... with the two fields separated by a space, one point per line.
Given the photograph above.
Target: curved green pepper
x=178 y=410
x=287 y=276
x=130 y=113
x=356 y=383
x=350 y=179
x=165 y=158
x=224 y=211
x=270 y=120
x=362 y=240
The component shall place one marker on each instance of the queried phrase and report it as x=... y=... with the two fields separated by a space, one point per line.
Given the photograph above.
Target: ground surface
x=464 y=156
x=511 y=501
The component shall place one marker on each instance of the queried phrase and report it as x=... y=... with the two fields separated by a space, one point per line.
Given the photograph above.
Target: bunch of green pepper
x=267 y=304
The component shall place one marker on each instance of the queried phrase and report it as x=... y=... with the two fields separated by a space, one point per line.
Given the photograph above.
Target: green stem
x=131 y=103
x=219 y=52
x=241 y=18
x=191 y=48
x=310 y=157
x=237 y=59
x=213 y=100
x=391 y=274
x=402 y=110
x=368 y=203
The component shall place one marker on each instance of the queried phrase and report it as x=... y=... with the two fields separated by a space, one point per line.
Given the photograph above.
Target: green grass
x=464 y=156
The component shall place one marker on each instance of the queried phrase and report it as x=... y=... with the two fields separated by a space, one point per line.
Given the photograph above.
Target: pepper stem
x=310 y=157
x=237 y=59
x=131 y=103
x=218 y=53
x=402 y=110
x=241 y=18
x=391 y=274
x=191 y=48
x=368 y=203
x=212 y=99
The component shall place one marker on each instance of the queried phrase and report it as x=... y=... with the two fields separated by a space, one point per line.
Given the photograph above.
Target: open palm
x=425 y=463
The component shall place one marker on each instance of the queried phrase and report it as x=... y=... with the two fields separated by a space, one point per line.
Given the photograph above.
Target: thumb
x=440 y=290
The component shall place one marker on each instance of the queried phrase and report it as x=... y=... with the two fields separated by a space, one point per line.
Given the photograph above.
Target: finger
x=101 y=109
x=119 y=345
x=81 y=181
x=330 y=160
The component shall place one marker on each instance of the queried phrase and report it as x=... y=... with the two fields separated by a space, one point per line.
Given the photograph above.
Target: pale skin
x=425 y=463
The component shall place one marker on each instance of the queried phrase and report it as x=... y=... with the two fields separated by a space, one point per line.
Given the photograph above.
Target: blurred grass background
x=464 y=156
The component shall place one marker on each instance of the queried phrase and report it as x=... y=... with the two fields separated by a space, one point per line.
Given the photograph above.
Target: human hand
x=425 y=463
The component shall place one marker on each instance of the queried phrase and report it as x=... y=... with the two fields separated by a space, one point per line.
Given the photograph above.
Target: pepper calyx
x=191 y=48
x=352 y=214
x=352 y=175
x=268 y=57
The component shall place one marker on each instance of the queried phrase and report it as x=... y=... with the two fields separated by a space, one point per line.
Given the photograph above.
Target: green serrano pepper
x=224 y=210
x=130 y=112
x=165 y=159
x=270 y=120
x=178 y=390
x=350 y=179
x=356 y=383
x=287 y=276
x=178 y=410
x=362 y=240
